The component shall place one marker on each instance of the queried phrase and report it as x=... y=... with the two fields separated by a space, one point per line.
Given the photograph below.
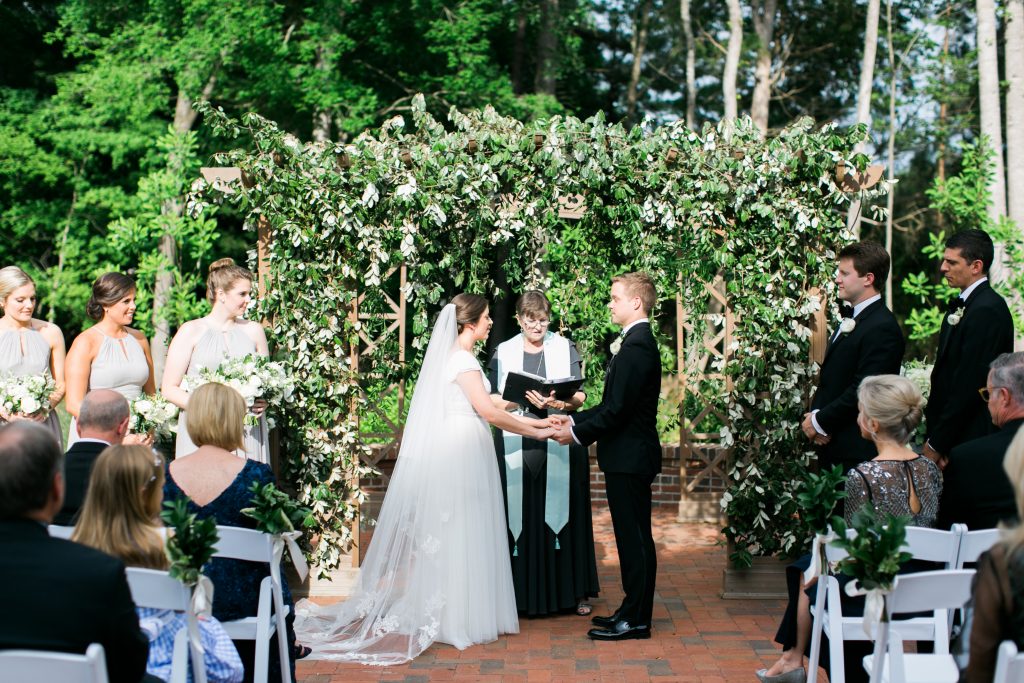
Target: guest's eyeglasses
x=986 y=393
x=539 y=324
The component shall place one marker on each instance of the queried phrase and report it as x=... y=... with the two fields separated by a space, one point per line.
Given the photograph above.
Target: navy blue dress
x=237 y=582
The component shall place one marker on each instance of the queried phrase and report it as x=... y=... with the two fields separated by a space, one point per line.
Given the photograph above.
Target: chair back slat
x=156 y=589
x=929 y=591
x=933 y=545
x=244 y=544
x=1009 y=664
x=17 y=666
x=974 y=543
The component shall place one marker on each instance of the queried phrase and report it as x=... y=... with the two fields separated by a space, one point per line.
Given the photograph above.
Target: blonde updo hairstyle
x=468 y=309
x=12 y=278
x=107 y=290
x=223 y=274
x=894 y=402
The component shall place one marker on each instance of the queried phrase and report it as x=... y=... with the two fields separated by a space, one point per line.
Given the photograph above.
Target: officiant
x=547 y=485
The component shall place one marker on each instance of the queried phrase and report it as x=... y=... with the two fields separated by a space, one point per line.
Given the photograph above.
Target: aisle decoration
x=190 y=545
x=278 y=514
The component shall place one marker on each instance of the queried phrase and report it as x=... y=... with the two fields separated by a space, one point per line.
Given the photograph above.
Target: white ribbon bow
x=874 y=604
x=298 y=559
x=201 y=605
x=818 y=562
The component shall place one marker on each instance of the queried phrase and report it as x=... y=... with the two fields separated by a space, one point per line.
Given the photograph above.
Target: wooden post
x=263 y=237
x=819 y=329
x=353 y=359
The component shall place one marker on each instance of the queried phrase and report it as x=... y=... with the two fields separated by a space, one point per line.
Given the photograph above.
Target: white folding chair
x=936 y=591
x=157 y=590
x=35 y=666
x=827 y=616
x=974 y=543
x=247 y=544
x=1009 y=664
x=58 y=531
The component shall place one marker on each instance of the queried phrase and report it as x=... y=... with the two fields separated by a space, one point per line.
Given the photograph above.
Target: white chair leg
x=816 y=628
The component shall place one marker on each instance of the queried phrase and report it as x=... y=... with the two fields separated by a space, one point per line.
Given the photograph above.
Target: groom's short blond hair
x=639 y=285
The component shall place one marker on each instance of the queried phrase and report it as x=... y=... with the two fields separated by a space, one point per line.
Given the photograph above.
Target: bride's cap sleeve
x=461 y=361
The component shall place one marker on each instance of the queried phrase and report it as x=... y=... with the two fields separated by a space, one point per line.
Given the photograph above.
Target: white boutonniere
x=616 y=346
x=846 y=327
x=955 y=317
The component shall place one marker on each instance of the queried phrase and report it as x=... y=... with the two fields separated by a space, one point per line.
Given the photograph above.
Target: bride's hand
x=545 y=433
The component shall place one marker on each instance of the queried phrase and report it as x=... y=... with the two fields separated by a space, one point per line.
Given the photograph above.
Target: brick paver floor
x=698 y=637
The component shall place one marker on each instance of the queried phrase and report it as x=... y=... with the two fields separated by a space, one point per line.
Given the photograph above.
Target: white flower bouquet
x=26 y=395
x=152 y=415
x=254 y=377
x=920 y=373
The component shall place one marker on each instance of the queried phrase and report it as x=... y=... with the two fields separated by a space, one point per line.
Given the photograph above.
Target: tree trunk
x=1014 y=56
x=891 y=195
x=988 y=97
x=867 y=79
x=321 y=117
x=691 y=69
x=639 y=45
x=764 y=26
x=732 y=60
x=519 y=49
x=547 y=49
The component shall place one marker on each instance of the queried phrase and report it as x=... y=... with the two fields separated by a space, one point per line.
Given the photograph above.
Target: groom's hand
x=563 y=429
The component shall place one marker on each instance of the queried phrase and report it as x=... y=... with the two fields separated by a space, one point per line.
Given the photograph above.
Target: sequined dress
x=884 y=484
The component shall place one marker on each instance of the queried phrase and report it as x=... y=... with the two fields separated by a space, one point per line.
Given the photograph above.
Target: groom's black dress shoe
x=606 y=622
x=621 y=630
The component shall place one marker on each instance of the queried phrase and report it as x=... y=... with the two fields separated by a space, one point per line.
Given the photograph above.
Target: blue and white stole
x=556 y=496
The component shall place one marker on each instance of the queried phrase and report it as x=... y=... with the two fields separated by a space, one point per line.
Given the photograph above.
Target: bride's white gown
x=437 y=569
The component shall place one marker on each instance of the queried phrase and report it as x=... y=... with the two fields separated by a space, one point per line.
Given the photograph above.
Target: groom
x=624 y=424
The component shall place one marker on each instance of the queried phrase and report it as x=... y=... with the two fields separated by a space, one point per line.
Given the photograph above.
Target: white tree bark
x=764 y=26
x=639 y=46
x=691 y=68
x=891 y=197
x=1014 y=55
x=867 y=79
x=732 y=60
x=988 y=96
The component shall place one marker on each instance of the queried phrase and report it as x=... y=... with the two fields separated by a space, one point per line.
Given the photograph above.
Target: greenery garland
x=474 y=205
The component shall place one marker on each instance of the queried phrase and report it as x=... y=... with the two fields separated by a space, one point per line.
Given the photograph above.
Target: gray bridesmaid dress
x=26 y=352
x=211 y=349
x=120 y=364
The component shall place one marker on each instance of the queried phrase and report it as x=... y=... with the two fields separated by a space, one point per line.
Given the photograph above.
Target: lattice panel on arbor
x=702 y=350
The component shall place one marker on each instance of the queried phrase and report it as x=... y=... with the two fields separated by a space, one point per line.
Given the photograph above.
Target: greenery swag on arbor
x=474 y=205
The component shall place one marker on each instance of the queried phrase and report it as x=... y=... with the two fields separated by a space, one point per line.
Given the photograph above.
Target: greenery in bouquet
x=817 y=497
x=275 y=511
x=26 y=395
x=920 y=373
x=875 y=554
x=152 y=415
x=254 y=377
x=190 y=541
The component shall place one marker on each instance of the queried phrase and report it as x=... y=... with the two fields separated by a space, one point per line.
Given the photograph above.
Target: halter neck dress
x=121 y=365
x=212 y=349
x=23 y=353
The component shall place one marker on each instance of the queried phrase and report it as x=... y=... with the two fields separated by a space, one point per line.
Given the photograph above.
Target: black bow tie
x=846 y=310
x=956 y=303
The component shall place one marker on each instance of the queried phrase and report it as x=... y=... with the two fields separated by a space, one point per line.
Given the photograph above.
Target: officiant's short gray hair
x=1008 y=372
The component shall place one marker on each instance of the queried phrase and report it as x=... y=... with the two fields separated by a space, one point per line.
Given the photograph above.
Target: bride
x=438 y=567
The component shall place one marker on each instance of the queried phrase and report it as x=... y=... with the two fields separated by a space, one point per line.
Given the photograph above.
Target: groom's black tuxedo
x=874 y=347
x=955 y=412
x=624 y=425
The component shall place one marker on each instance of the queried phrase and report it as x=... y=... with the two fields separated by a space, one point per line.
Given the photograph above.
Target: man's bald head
x=103 y=415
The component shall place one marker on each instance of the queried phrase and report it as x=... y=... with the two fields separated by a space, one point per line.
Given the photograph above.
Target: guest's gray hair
x=1008 y=372
x=102 y=409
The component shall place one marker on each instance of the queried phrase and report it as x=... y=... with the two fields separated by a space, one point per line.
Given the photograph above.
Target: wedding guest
x=547 y=485
x=999 y=584
x=975 y=490
x=217 y=484
x=624 y=425
x=207 y=342
x=868 y=342
x=977 y=329
x=57 y=595
x=29 y=346
x=896 y=481
x=121 y=517
x=109 y=355
x=102 y=421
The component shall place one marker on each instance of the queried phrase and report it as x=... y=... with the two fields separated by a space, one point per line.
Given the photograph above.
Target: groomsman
x=977 y=328
x=867 y=342
x=624 y=425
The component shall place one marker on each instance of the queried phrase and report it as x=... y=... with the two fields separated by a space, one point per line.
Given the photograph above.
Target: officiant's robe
x=955 y=411
x=874 y=347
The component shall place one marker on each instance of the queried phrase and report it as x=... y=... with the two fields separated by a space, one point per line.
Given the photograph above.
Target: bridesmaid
x=29 y=346
x=110 y=355
x=207 y=342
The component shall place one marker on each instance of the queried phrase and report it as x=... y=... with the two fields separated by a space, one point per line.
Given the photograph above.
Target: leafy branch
x=190 y=541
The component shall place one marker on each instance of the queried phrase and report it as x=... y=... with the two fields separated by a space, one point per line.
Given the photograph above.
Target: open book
x=518 y=383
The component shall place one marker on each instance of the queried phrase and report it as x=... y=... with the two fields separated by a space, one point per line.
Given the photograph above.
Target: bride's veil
x=393 y=612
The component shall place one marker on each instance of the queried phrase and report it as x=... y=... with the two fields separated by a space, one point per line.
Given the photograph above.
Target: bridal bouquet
x=152 y=415
x=26 y=395
x=254 y=377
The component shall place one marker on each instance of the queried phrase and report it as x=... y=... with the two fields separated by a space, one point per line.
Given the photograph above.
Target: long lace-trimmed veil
x=394 y=611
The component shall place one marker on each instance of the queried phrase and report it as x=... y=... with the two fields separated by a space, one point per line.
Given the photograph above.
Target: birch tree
x=988 y=98
x=1014 y=55
x=764 y=27
x=867 y=79
x=732 y=60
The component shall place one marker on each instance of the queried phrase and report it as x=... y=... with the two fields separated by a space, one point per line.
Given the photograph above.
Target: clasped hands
x=808 y=428
x=558 y=428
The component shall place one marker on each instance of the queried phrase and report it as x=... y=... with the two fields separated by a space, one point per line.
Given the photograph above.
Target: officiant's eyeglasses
x=534 y=323
x=986 y=395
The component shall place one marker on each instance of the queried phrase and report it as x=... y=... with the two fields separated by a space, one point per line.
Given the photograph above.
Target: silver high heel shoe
x=793 y=676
